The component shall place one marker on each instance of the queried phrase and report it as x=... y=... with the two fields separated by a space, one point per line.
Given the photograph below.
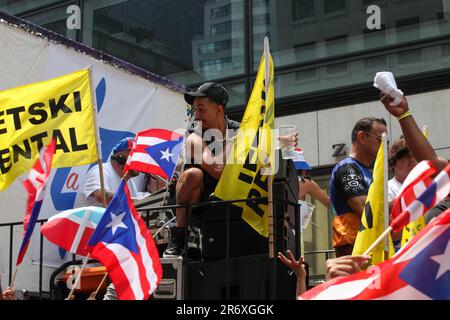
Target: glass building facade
x=324 y=53
x=317 y=45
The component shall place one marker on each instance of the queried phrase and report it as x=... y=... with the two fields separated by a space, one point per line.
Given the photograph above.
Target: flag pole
x=376 y=242
x=97 y=140
x=11 y=285
x=94 y=293
x=270 y=178
x=77 y=280
x=272 y=261
x=100 y=168
x=75 y=244
x=385 y=194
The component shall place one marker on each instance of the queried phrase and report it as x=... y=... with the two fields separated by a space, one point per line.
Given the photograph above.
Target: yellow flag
x=32 y=114
x=243 y=175
x=414 y=227
x=372 y=220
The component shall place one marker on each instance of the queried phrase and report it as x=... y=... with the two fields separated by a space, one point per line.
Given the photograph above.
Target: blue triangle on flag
x=166 y=154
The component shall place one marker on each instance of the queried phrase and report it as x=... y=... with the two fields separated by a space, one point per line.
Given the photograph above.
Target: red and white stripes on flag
x=125 y=246
x=421 y=202
x=155 y=151
x=420 y=271
x=417 y=181
x=35 y=186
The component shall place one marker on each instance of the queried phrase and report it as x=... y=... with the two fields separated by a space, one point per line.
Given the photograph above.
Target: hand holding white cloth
x=385 y=81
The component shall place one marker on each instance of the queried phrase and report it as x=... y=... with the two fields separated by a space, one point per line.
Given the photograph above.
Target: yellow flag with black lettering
x=32 y=114
x=243 y=176
x=372 y=220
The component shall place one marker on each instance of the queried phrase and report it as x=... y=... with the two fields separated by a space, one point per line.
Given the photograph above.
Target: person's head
x=401 y=159
x=366 y=135
x=120 y=154
x=209 y=103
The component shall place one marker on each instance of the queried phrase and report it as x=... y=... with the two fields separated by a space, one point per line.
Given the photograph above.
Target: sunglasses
x=121 y=159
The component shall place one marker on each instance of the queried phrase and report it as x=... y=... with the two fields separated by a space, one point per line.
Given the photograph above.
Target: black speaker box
x=210 y=221
x=249 y=279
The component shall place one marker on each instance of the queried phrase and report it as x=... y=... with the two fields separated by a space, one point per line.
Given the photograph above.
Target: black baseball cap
x=212 y=90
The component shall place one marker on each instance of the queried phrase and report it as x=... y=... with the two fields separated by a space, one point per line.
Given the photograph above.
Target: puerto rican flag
x=125 y=246
x=437 y=190
x=35 y=186
x=299 y=160
x=155 y=151
x=72 y=229
x=419 y=271
x=417 y=181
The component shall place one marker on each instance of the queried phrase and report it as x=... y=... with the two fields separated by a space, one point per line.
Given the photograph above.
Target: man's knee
x=191 y=178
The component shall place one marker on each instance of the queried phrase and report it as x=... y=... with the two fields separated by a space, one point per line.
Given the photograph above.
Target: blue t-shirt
x=349 y=179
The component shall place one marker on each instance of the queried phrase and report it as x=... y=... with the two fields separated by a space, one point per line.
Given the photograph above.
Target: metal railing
x=146 y=218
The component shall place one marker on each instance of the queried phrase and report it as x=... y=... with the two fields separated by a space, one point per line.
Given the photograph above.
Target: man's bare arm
x=418 y=144
x=201 y=155
x=357 y=204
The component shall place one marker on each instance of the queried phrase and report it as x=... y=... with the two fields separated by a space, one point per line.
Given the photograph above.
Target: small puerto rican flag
x=155 y=151
x=299 y=160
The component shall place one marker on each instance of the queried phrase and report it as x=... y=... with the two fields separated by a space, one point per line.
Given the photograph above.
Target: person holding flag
x=207 y=146
x=405 y=153
x=352 y=177
x=113 y=172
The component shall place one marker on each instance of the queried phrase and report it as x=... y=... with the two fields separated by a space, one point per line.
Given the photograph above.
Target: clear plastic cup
x=287 y=145
x=306 y=211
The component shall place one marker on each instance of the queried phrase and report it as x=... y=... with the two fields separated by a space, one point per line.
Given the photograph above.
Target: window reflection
x=333 y=35
x=189 y=41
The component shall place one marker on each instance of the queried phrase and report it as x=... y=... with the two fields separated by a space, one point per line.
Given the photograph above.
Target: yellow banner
x=372 y=220
x=252 y=153
x=31 y=115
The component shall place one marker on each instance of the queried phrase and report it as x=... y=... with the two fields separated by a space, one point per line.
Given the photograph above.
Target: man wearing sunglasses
x=90 y=194
x=350 y=182
x=351 y=178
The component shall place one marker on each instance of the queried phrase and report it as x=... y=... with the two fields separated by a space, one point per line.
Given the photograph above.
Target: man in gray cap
x=207 y=147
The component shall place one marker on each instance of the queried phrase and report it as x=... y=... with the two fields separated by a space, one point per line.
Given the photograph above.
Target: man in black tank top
x=207 y=146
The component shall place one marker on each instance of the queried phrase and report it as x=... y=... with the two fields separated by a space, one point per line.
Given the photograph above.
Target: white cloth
x=394 y=187
x=385 y=81
x=92 y=183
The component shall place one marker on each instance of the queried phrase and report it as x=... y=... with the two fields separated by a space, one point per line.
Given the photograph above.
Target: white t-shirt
x=92 y=183
x=394 y=187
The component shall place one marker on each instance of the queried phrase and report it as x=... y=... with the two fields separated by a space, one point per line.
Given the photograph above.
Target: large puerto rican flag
x=72 y=229
x=419 y=271
x=35 y=186
x=125 y=246
x=155 y=151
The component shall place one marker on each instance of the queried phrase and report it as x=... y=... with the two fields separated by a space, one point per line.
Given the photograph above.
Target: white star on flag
x=116 y=222
x=443 y=261
x=166 y=155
